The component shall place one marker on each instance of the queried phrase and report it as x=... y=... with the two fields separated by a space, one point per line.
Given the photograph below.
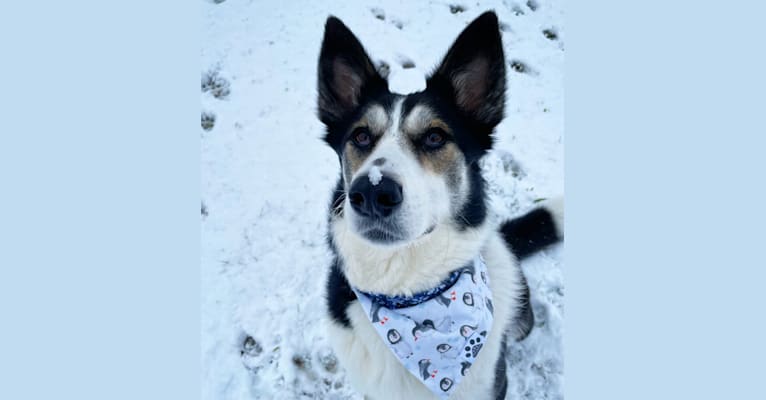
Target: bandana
x=437 y=334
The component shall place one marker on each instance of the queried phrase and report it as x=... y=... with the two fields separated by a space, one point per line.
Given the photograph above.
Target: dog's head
x=409 y=163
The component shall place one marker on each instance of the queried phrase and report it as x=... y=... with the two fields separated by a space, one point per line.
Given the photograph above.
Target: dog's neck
x=404 y=271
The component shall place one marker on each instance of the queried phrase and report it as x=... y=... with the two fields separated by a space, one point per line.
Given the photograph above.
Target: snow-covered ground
x=266 y=180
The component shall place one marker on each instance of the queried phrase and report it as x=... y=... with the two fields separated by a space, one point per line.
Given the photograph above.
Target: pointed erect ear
x=345 y=72
x=472 y=74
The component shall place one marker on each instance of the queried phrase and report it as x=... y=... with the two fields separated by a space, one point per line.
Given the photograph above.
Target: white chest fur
x=383 y=377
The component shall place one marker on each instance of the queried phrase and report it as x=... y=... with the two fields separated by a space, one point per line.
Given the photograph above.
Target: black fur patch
x=525 y=318
x=530 y=233
x=339 y=294
x=500 y=386
x=474 y=211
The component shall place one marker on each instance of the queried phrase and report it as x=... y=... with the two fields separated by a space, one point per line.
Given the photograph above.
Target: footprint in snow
x=383 y=69
x=378 y=13
x=456 y=8
x=208 y=120
x=218 y=86
x=522 y=68
x=550 y=34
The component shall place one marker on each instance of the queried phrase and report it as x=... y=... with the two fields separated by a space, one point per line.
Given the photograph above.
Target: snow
x=267 y=177
x=375 y=175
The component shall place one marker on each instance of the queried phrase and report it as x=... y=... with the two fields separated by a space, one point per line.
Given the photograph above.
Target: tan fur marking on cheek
x=439 y=162
x=354 y=158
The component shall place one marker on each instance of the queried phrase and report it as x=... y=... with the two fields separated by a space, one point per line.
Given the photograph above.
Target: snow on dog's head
x=409 y=163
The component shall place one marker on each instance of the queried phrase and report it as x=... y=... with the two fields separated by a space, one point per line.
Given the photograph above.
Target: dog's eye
x=361 y=137
x=434 y=138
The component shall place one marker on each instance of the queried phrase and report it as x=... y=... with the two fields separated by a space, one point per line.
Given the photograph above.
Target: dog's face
x=409 y=163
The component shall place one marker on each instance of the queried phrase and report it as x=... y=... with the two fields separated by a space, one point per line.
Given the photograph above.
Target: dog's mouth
x=384 y=234
x=381 y=231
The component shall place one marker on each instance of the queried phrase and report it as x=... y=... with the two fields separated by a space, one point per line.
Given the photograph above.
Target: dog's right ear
x=345 y=73
x=472 y=74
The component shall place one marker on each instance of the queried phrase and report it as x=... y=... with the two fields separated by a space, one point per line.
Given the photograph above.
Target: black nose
x=375 y=200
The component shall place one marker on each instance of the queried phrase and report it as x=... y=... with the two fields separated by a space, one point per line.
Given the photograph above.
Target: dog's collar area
x=395 y=302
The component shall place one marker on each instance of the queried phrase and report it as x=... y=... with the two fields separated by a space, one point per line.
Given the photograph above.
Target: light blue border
x=99 y=164
x=664 y=177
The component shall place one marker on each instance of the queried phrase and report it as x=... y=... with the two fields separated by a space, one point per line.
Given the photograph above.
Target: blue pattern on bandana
x=417 y=298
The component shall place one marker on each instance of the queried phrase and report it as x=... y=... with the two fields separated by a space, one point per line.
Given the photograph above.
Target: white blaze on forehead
x=396 y=119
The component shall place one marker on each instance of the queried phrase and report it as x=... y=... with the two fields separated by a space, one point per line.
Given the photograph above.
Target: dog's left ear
x=472 y=75
x=345 y=73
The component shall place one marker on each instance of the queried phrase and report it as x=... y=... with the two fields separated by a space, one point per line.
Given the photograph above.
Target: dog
x=410 y=207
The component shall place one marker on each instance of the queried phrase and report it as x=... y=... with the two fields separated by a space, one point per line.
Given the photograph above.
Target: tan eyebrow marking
x=359 y=124
x=375 y=119
x=422 y=118
x=438 y=123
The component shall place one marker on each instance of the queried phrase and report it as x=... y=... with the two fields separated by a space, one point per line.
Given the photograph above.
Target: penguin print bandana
x=436 y=334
